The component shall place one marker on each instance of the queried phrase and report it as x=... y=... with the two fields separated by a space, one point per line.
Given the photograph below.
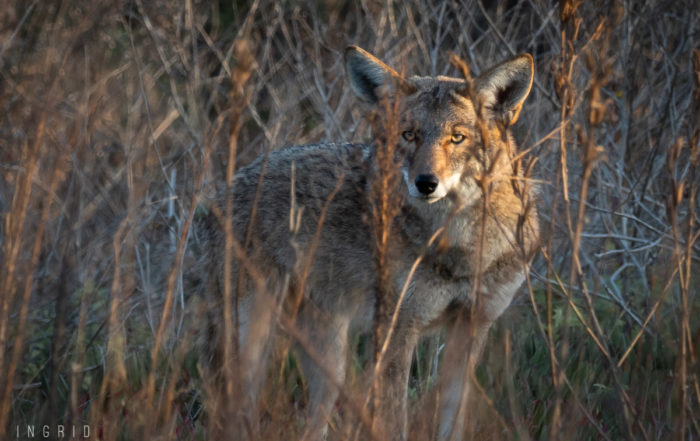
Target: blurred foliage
x=116 y=103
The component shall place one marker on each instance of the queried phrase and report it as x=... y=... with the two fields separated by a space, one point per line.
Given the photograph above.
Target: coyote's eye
x=457 y=138
x=408 y=135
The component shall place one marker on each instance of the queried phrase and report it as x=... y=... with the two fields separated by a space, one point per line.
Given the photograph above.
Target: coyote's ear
x=503 y=88
x=372 y=80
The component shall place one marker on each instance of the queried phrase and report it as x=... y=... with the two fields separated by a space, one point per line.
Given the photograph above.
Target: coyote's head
x=451 y=132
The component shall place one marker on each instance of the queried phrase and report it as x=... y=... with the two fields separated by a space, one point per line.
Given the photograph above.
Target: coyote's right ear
x=372 y=80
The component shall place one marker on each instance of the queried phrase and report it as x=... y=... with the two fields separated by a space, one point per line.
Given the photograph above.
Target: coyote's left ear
x=371 y=79
x=503 y=88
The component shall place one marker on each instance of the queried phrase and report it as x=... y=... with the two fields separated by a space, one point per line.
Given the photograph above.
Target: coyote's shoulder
x=291 y=189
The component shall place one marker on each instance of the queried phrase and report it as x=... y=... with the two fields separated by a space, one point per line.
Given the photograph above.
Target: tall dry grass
x=119 y=118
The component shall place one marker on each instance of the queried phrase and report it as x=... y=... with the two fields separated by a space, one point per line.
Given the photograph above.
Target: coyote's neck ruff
x=440 y=195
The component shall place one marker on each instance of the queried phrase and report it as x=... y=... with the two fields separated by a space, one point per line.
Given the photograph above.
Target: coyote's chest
x=444 y=241
x=441 y=247
x=451 y=264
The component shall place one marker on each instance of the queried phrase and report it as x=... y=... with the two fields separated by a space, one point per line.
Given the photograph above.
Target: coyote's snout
x=305 y=245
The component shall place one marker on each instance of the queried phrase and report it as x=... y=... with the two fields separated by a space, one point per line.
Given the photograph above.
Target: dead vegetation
x=119 y=118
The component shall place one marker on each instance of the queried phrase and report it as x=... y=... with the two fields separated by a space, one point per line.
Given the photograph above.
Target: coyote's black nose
x=427 y=184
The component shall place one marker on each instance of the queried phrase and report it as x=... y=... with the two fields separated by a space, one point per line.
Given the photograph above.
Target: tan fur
x=327 y=277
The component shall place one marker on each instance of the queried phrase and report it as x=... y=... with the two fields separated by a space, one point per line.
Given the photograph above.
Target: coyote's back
x=305 y=241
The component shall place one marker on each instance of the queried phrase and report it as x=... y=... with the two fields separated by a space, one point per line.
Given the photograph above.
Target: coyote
x=462 y=227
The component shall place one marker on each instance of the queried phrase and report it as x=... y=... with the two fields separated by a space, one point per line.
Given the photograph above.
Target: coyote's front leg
x=390 y=420
x=465 y=341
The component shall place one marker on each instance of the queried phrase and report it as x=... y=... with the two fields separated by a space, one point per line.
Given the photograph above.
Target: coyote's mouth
x=428 y=199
